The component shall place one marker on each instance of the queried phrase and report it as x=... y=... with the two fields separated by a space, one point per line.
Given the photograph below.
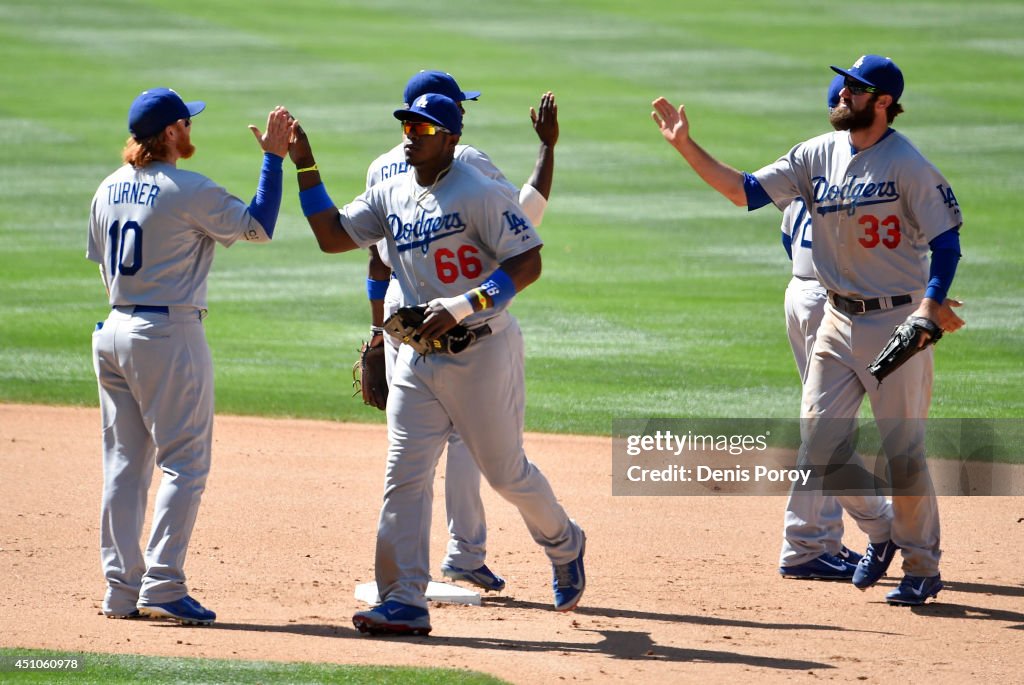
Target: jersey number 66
x=449 y=267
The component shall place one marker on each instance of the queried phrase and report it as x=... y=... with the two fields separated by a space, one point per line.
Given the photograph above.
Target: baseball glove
x=369 y=376
x=403 y=324
x=904 y=344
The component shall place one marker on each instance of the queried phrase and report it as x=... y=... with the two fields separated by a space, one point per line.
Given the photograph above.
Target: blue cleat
x=569 y=582
x=849 y=556
x=482 y=577
x=393 y=618
x=185 y=610
x=824 y=567
x=915 y=590
x=874 y=564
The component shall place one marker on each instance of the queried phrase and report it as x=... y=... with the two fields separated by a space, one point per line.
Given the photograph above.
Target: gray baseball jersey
x=873 y=212
x=446 y=239
x=392 y=163
x=154 y=230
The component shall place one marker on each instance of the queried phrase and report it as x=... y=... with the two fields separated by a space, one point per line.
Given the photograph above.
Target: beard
x=848 y=119
x=185 y=148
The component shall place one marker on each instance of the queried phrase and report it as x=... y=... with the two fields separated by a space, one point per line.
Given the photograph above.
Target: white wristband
x=459 y=306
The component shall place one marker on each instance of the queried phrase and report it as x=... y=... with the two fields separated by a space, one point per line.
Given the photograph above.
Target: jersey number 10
x=121 y=239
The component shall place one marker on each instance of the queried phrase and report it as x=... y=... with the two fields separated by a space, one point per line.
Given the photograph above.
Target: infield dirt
x=679 y=589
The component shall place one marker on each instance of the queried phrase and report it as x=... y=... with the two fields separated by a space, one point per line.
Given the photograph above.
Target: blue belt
x=146 y=308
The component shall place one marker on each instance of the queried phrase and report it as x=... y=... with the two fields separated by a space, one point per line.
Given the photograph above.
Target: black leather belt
x=481 y=331
x=145 y=308
x=851 y=306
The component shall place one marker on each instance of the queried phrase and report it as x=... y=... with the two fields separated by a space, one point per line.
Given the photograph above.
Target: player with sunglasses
x=877 y=208
x=467 y=524
x=460 y=245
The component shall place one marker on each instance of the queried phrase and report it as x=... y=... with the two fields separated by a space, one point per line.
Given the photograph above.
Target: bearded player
x=878 y=208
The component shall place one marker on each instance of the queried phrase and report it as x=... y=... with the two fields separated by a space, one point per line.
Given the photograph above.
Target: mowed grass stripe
x=111 y=669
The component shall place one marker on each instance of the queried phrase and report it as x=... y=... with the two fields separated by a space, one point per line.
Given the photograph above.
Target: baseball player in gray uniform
x=878 y=207
x=467 y=522
x=152 y=230
x=812 y=546
x=460 y=245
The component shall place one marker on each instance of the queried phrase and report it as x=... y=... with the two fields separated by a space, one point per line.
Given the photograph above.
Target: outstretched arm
x=545 y=123
x=533 y=196
x=321 y=213
x=675 y=128
x=266 y=203
x=280 y=131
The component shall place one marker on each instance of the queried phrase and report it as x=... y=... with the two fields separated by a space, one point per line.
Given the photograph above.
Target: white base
x=436 y=592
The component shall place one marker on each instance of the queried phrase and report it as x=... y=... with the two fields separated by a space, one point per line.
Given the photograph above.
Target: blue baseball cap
x=878 y=72
x=155 y=109
x=832 y=97
x=436 y=82
x=435 y=108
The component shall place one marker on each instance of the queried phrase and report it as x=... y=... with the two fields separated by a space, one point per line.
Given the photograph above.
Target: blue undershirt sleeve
x=756 y=195
x=945 y=256
x=267 y=201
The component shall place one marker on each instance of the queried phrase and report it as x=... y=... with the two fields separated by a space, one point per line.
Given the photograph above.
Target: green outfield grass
x=114 y=669
x=658 y=297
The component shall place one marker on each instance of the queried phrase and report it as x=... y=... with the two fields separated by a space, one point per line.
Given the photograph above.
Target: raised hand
x=299 y=150
x=672 y=122
x=280 y=125
x=545 y=122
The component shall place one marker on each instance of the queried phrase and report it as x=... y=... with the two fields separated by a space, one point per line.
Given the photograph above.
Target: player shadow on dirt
x=676 y=618
x=637 y=645
x=942 y=609
x=617 y=644
x=983 y=588
x=960 y=586
x=304 y=629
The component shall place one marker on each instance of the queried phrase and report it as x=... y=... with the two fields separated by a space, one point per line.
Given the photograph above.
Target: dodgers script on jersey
x=443 y=240
x=873 y=212
x=163 y=257
x=392 y=163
